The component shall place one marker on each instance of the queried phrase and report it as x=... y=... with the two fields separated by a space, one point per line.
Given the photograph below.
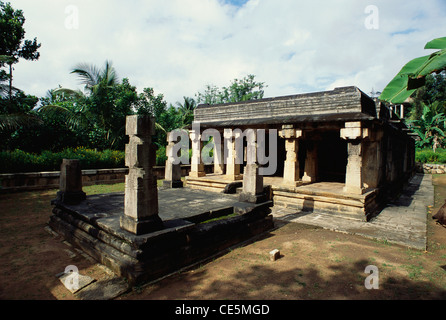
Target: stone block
x=137 y=125
x=141 y=226
x=274 y=255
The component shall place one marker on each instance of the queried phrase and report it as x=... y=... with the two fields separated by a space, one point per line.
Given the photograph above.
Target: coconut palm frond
x=17 y=120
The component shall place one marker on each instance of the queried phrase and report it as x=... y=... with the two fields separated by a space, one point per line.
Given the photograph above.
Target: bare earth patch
x=314 y=263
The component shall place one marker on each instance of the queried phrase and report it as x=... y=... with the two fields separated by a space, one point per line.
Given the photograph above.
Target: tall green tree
x=101 y=108
x=15 y=105
x=239 y=90
x=186 y=111
x=13 y=45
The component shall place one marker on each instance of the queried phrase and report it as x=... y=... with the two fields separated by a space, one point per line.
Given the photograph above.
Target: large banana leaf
x=412 y=75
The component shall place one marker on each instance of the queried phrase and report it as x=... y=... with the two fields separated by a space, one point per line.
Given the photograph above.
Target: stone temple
x=338 y=152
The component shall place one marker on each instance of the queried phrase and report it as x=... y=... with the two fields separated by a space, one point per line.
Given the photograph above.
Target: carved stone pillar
x=354 y=133
x=219 y=166
x=291 y=174
x=310 y=169
x=252 y=181
x=232 y=167
x=141 y=195
x=197 y=166
x=172 y=172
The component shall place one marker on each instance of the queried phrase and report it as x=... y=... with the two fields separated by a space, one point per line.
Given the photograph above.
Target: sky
x=178 y=47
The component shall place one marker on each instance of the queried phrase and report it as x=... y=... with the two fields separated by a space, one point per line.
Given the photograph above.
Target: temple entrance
x=332 y=157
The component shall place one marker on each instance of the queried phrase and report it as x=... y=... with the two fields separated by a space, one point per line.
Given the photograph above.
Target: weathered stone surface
x=75 y=282
x=274 y=255
x=141 y=194
x=340 y=103
x=70 y=182
x=172 y=172
x=104 y=290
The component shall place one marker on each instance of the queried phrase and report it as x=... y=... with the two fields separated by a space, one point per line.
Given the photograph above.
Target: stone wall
x=13 y=182
x=430 y=168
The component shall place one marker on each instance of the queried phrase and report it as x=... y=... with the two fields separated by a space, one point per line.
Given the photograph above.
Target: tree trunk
x=10 y=87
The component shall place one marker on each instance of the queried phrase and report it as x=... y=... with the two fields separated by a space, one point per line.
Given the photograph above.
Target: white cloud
x=179 y=46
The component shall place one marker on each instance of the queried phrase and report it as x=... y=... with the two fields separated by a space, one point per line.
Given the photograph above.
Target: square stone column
x=219 y=151
x=354 y=133
x=252 y=181
x=141 y=194
x=197 y=166
x=291 y=174
x=310 y=168
x=232 y=167
x=172 y=172
x=70 y=182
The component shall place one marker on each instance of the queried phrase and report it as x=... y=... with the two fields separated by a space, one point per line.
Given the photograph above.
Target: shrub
x=20 y=161
x=429 y=156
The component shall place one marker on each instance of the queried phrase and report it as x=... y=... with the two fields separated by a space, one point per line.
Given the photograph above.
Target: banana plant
x=413 y=75
x=430 y=128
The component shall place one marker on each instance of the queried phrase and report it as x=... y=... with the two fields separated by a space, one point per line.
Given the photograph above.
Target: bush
x=20 y=161
x=429 y=156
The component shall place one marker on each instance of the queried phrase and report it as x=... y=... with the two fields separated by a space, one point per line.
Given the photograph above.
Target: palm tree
x=11 y=119
x=97 y=112
x=187 y=110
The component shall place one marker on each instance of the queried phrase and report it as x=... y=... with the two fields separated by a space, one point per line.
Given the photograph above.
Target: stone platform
x=186 y=238
x=402 y=221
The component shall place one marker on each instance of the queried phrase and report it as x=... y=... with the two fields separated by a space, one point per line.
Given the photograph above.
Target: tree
x=239 y=90
x=101 y=109
x=186 y=111
x=433 y=91
x=12 y=43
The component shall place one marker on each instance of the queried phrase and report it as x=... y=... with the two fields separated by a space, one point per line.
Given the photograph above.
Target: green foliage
x=412 y=75
x=429 y=156
x=433 y=92
x=430 y=127
x=161 y=156
x=21 y=161
x=239 y=90
x=13 y=46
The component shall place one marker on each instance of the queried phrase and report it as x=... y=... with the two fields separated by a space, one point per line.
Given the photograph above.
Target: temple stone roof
x=340 y=104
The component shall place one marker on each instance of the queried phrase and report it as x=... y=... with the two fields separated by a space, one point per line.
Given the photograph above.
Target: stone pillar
x=70 y=182
x=252 y=180
x=232 y=167
x=353 y=133
x=172 y=172
x=291 y=174
x=219 y=166
x=310 y=170
x=197 y=166
x=141 y=195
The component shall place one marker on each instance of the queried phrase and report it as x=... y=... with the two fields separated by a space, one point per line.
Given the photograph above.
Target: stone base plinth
x=172 y=184
x=94 y=226
x=195 y=174
x=69 y=197
x=252 y=198
x=140 y=227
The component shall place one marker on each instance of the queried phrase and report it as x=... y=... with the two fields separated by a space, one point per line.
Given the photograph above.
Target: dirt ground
x=314 y=264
